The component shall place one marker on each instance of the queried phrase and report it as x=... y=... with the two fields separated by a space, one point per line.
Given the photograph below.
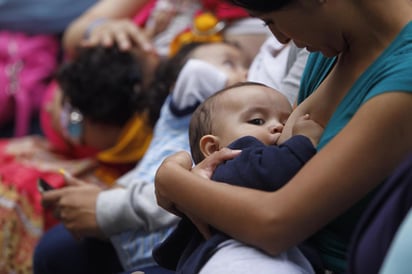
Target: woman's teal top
x=391 y=71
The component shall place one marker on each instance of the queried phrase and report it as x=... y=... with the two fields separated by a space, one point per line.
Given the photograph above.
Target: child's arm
x=264 y=167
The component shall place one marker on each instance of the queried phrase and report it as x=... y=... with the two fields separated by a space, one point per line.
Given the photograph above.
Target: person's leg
x=59 y=252
x=235 y=257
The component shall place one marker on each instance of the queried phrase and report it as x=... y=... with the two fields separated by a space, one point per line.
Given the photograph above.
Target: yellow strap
x=132 y=144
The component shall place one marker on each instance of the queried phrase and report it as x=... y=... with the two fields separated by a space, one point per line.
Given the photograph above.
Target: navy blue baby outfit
x=258 y=166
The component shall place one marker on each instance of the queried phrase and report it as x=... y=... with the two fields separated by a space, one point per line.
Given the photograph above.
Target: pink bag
x=27 y=64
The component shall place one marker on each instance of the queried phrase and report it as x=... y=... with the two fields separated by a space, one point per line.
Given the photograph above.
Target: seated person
x=248 y=117
x=116 y=103
x=93 y=97
x=344 y=90
x=128 y=214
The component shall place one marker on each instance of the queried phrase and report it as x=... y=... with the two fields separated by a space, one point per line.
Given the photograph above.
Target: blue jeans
x=59 y=252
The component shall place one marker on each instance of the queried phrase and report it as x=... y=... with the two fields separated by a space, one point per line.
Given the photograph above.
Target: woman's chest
x=322 y=104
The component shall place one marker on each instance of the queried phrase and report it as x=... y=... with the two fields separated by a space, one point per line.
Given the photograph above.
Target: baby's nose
x=276 y=128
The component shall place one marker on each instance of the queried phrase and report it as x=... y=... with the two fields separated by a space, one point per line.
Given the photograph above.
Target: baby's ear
x=209 y=144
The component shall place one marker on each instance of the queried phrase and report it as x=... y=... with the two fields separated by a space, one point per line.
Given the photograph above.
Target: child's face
x=250 y=110
x=227 y=58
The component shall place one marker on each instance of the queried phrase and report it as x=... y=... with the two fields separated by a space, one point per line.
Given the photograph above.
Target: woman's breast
x=320 y=107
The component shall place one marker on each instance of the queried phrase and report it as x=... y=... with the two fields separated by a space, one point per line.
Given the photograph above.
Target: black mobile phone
x=43 y=186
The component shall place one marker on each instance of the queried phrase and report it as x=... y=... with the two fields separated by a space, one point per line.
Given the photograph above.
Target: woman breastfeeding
x=357 y=85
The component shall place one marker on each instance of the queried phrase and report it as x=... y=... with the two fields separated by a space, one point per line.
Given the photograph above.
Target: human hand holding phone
x=43 y=186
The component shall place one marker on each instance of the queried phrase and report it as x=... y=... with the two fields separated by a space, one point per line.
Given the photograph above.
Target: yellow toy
x=206 y=28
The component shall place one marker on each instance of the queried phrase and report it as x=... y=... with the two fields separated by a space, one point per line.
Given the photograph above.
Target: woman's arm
x=104 y=9
x=365 y=152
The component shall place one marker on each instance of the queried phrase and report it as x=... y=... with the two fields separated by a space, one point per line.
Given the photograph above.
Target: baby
x=250 y=117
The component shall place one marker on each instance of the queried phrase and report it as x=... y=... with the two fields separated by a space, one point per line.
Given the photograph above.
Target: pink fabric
x=27 y=63
x=223 y=10
x=142 y=16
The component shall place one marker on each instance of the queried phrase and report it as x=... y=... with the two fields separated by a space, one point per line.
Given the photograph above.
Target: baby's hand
x=309 y=128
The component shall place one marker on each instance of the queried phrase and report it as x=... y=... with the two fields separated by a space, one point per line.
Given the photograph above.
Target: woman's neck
x=373 y=26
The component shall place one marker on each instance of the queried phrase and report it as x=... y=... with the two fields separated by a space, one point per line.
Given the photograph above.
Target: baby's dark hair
x=261 y=5
x=166 y=74
x=104 y=84
x=201 y=123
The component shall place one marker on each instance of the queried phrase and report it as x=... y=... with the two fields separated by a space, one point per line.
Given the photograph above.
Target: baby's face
x=250 y=110
x=227 y=58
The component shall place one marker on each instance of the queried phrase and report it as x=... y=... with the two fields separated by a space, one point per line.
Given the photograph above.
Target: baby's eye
x=257 y=121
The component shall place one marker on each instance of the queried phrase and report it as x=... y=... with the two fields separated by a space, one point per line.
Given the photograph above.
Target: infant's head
x=227 y=58
x=244 y=109
x=203 y=69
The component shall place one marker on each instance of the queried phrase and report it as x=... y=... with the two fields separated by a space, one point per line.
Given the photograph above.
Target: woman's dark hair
x=261 y=5
x=166 y=75
x=104 y=84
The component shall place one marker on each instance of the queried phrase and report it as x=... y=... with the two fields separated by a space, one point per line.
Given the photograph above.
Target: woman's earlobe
x=209 y=144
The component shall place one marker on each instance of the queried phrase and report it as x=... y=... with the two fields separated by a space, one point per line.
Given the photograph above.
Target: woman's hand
x=75 y=206
x=179 y=162
x=122 y=32
x=208 y=165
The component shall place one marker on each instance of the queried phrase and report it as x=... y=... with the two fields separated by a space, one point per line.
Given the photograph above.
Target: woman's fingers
x=209 y=164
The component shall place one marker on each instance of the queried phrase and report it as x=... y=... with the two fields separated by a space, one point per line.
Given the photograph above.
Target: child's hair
x=201 y=123
x=104 y=84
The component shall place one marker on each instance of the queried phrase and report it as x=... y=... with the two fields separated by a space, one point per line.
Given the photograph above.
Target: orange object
x=206 y=28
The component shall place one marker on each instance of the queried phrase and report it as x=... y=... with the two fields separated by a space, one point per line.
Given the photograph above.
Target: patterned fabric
x=22 y=218
x=20 y=227
x=22 y=161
